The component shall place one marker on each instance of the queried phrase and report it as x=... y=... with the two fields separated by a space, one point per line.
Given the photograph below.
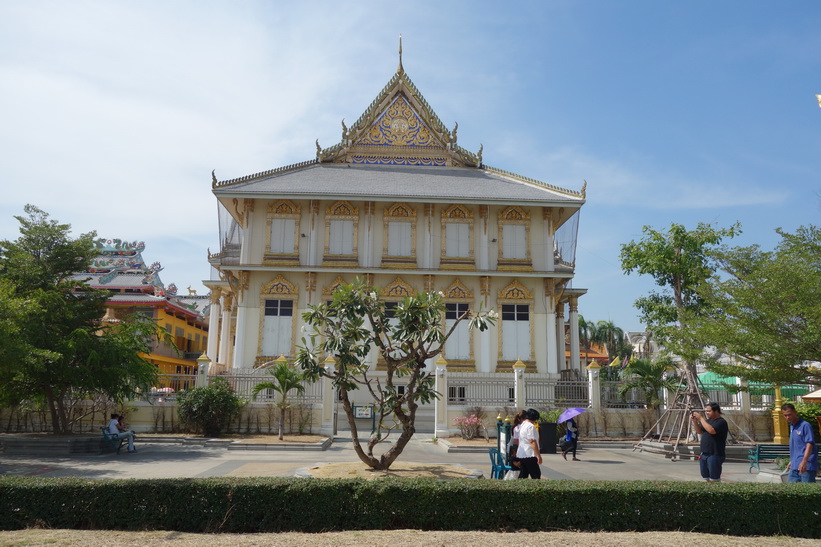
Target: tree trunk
x=51 y=400
x=281 y=423
x=367 y=459
x=408 y=429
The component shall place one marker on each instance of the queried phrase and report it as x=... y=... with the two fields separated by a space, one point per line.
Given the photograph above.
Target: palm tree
x=611 y=336
x=284 y=380
x=587 y=335
x=650 y=377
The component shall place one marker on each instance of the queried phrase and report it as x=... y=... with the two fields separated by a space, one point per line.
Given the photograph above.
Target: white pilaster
x=327 y=426
x=240 y=356
x=212 y=350
x=549 y=239
x=560 y=351
x=225 y=331
x=552 y=360
x=481 y=247
x=575 y=361
x=440 y=407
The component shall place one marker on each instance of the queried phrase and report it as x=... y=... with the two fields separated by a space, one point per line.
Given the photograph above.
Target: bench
x=770 y=452
x=111 y=440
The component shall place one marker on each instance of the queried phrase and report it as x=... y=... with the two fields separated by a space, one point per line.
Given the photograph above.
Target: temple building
x=135 y=287
x=398 y=202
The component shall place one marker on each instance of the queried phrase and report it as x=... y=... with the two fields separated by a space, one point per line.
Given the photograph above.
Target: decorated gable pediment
x=399 y=125
x=399 y=128
x=331 y=289
x=397 y=289
x=458 y=290
x=515 y=291
x=279 y=285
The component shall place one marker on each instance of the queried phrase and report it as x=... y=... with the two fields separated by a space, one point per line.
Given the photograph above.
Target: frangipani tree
x=407 y=338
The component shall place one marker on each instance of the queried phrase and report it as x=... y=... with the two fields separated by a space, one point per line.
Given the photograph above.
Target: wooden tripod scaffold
x=675 y=425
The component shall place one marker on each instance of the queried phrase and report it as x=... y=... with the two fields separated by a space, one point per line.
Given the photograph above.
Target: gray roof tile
x=375 y=182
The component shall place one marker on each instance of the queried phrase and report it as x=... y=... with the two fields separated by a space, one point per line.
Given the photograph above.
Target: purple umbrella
x=570 y=413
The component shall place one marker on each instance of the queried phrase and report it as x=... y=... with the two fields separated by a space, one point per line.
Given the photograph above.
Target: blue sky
x=114 y=113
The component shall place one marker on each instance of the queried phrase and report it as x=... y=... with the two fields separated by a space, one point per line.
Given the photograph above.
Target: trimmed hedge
x=312 y=505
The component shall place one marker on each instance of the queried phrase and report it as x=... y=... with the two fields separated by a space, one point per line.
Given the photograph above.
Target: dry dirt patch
x=479 y=441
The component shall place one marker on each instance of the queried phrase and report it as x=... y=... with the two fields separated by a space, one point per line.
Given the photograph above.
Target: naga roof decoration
x=120 y=266
x=118 y=246
x=399 y=128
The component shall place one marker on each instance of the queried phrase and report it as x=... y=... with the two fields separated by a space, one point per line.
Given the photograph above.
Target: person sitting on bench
x=114 y=429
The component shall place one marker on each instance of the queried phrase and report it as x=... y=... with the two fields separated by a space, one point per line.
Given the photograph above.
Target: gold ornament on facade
x=243 y=280
x=428 y=282
x=458 y=290
x=310 y=281
x=513 y=212
x=515 y=291
x=400 y=210
x=215 y=296
x=342 y=208
x=457 y=211
x=331 y=289
x=283 y=207
x=398 y=288
x=399 y=125
x=279 y=285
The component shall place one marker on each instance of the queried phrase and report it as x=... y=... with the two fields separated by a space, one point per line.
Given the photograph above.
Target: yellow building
x=397 y=201
x=135 y=287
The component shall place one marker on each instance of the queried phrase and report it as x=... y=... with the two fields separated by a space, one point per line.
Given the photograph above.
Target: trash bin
x=547 y=437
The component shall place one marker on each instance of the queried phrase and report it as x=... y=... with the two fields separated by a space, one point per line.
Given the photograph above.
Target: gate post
x=440 y=408
x=594 y=383
x=203 y=363
x=327 y=426
x=519 y=384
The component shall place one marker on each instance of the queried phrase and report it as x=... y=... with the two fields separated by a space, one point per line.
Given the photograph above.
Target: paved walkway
x=177 y=461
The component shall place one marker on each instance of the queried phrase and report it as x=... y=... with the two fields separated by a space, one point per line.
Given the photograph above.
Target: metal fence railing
x=242 y=380
x=485 y=390
x=550 y=392
x=612 y=398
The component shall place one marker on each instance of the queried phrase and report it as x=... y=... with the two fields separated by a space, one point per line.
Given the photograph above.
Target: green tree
x=284 y=380
x=607 y=333
x=678 y=260
x=587 y=335
x=650 y=377
x=59 y=352
x=407 y=338
x=209 y=409
x=764 y=309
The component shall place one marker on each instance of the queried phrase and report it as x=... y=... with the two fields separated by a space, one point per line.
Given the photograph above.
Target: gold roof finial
x=400 y=70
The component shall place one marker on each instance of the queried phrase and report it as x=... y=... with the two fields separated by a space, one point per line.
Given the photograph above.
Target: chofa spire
x=401 y=69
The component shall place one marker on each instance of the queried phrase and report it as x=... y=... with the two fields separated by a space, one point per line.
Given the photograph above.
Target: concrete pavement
x=179 y=461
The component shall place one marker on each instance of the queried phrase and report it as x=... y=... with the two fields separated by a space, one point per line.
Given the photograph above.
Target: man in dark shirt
x=713 y=430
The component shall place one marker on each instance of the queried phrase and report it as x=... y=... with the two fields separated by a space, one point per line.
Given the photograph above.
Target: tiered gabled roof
x=119 y=267
x=398 y=130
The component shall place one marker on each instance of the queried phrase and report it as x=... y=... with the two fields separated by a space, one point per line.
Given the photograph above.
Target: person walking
x=713 y=430
x=572 y=437
x=803 y=464
x=513 y=445
x=530 y=458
